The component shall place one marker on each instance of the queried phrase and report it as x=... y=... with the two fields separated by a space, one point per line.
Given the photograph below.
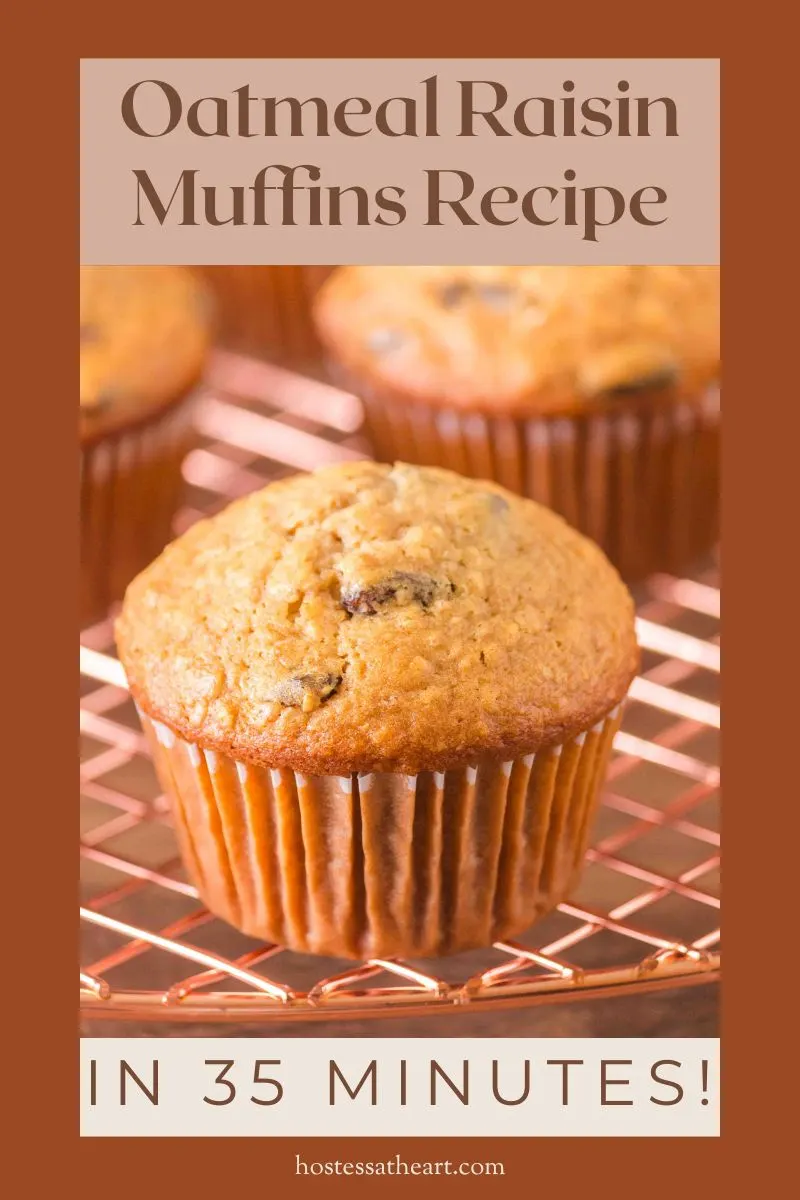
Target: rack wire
x=645 y=915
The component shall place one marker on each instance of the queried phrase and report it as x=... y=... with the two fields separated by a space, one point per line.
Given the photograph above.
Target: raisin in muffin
x=267 y=310
x=381 y=699
x=144 y=336
x=590 y=389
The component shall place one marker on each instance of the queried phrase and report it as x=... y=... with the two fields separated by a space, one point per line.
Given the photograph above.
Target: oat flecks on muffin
x=377 y=617
x=144 y=335
x=527 y=339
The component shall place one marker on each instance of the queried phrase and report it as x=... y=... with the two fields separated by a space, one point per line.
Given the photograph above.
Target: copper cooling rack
x=644 y=916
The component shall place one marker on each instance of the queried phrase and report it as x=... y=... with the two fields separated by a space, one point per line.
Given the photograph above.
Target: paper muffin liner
x=377 y=865
x=639 y=475
x=267 y=310
x=130 y=487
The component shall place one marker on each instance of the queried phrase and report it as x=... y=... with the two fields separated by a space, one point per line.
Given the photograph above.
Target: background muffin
x=144 y=335
x=381 y=700
x=590 y=389
x=267 y=310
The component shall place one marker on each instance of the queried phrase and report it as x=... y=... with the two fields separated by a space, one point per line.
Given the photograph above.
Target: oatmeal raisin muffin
x=591 y=389
x=381 y=699
x=144 y=335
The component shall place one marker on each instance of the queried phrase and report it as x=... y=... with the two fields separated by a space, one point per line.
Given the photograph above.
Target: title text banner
x=400 y=160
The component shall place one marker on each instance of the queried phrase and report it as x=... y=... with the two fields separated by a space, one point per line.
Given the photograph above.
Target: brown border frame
x=41 y=544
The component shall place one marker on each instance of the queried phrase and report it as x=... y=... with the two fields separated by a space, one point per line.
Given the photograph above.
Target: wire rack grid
x=645 y=915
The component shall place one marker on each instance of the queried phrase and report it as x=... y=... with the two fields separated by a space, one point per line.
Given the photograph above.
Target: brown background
x=40 y=551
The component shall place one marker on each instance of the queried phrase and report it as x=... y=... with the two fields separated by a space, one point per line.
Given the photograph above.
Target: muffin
x=144 y=336
x=267 y=310
x=381 y=699
x=590 y=389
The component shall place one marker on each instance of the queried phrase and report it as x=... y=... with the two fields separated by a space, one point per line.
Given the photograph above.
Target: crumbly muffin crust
x=144 y=335
x=523 y=339
x=374 y=617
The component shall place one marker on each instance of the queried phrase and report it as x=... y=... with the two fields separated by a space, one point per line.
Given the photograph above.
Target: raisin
x=367 y=601
x=453 y=294
x=293 y=692
x=662 y=378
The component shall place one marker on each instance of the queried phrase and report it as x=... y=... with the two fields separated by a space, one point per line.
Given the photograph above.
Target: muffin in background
x=381 y=700
x=266 y=311
x=590 y=389
x=144 y=337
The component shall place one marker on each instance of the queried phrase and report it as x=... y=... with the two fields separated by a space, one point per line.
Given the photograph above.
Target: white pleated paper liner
x=376 y=865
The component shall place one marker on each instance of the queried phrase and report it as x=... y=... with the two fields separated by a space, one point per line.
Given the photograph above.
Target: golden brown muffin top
x=374 y=617
x=524 y=339
x=144 y=336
